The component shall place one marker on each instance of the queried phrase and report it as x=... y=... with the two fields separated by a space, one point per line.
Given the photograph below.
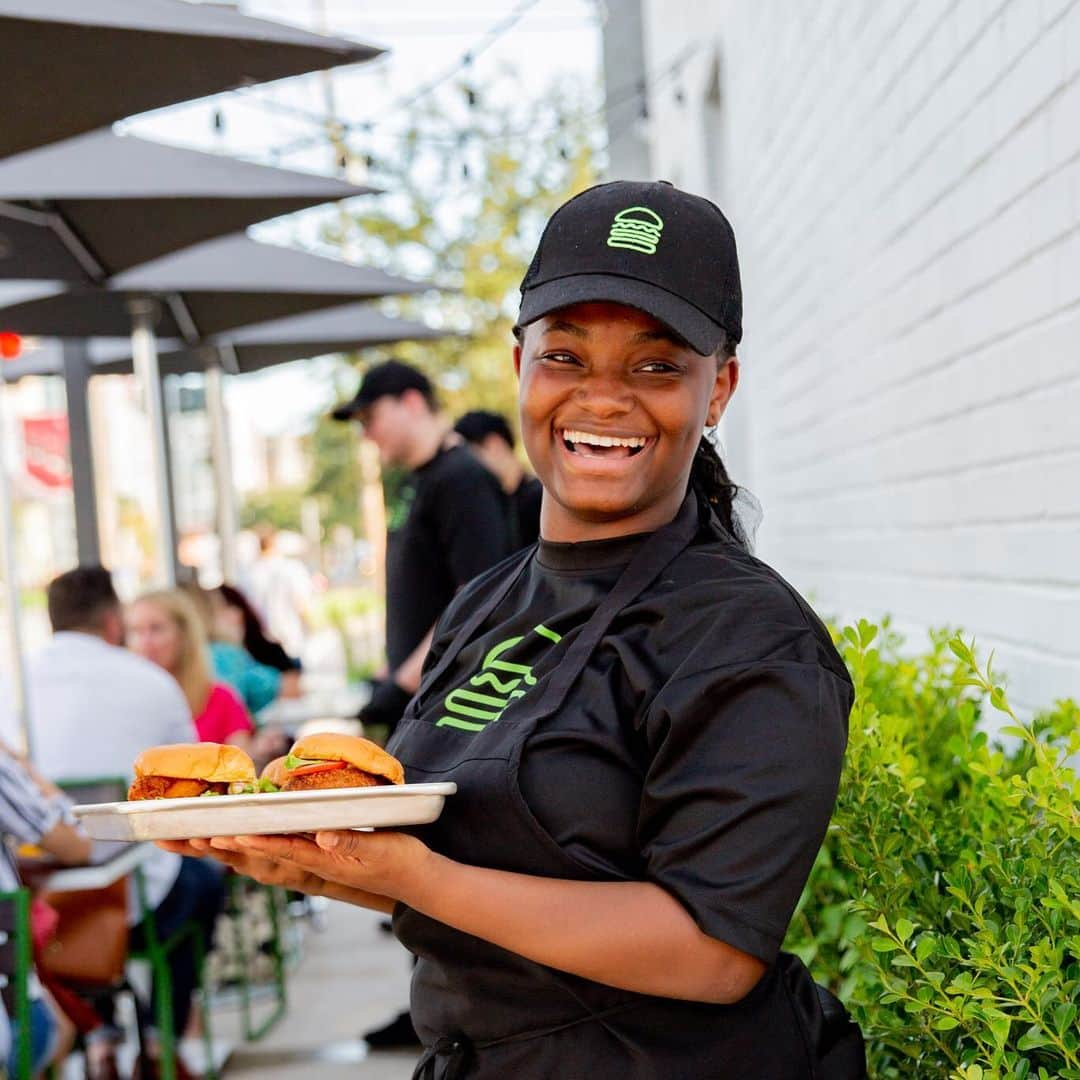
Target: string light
x=640 y=88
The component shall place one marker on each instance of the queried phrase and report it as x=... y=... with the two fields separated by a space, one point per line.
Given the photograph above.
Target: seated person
x=94 y=706
x=165 y=628
x=263 y=649
x=256 y=684
x=33 y=811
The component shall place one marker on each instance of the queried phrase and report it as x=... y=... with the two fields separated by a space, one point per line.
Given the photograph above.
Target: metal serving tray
x=284 y=812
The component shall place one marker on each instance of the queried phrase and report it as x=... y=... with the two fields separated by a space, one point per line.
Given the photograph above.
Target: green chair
x=16 y=962
x=156 y=952
x=238 y=889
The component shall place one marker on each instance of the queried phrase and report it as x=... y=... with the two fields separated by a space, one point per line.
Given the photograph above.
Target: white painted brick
x=914 y=430
x=1070 y=34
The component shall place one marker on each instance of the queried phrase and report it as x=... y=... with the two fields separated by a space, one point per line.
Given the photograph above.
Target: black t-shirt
x=454 y=528
x=700 y=748
x=525 y=512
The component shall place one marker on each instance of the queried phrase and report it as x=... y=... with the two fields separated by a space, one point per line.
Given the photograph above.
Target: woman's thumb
x=338 y=843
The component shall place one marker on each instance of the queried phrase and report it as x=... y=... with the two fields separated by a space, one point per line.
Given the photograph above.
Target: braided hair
x=709 y=476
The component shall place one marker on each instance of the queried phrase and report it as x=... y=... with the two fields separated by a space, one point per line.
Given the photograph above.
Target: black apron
x=483 y=1012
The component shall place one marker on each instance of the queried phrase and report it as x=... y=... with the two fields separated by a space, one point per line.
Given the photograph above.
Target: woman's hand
x=265 y=870
x=291 y=686
x=371 y=870
x=389 y=864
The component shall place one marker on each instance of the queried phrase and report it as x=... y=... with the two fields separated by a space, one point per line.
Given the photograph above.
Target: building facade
x=904 y=183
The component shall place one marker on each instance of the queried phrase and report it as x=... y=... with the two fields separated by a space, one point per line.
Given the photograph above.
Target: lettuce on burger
x=330 y=760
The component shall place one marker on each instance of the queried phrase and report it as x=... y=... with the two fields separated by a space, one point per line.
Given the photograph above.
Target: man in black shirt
x=490 y=439
x=446 y=525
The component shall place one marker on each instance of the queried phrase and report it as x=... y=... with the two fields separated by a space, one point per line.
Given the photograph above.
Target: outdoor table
x=336 y=704
x=110 y=860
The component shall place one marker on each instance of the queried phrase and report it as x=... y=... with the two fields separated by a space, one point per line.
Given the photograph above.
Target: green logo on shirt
x=397 y=512
x=488 y=694
x=636 y=228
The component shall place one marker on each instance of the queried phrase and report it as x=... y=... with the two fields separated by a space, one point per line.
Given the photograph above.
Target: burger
x=186 y=770
x=330 y=760
x=274 y=774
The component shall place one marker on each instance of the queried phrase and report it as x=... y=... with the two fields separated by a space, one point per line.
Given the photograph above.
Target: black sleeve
x=471 y=524
x=745 y=764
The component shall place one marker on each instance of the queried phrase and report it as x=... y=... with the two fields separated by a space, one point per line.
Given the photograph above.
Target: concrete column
x=144 y=315
x=76 y=385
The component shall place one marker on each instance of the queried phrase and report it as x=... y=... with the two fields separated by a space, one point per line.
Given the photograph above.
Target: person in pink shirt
x=165 y=627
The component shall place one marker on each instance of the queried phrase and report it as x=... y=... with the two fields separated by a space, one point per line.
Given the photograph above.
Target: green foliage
x=335 y=473
x=280 y=508
x=472 y=234
x=945 y=905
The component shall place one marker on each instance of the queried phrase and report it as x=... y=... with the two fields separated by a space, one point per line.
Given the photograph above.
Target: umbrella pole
x=221 y=455
x=11 y=581
x=144 y=353
x=76 y=386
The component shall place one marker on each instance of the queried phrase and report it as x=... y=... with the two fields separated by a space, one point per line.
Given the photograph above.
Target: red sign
x=10 y=345
x=45 y=440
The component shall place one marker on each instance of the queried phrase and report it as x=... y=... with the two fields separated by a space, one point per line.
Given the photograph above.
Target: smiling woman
x=646 y=724
x=612 y=409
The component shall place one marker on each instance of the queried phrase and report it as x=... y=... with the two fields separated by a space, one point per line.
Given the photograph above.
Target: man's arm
x=472 y=523
x=408 y=675
x=37 y=813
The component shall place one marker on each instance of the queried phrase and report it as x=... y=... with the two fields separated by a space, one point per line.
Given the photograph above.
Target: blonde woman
x=165 y=627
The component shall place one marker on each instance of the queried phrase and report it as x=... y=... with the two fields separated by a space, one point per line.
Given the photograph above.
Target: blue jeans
x=197 y=895
x=43 y=1032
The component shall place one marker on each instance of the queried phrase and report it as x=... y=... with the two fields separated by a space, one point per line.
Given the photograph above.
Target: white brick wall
x=904 y=181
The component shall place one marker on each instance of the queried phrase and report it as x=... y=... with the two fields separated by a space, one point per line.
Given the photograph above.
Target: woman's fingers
x=194 y=848
x=263 y=869
x=378 y=862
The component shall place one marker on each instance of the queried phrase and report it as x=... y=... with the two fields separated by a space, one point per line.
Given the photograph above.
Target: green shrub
x=945 y=904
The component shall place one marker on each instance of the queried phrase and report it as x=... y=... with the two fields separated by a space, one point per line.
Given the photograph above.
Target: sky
x=553 y=40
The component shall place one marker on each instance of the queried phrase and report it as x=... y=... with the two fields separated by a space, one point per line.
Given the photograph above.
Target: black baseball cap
x=390 y=379
x=649 y=246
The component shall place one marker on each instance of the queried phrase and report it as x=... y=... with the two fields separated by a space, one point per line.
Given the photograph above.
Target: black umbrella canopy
x=93 y=206
x=71 y=66
x=207 y=290
x=252 y=348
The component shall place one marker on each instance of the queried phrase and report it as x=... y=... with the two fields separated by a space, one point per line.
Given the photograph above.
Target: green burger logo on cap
x=636 y=228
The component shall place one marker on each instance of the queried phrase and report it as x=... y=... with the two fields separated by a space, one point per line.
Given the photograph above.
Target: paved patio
x=351 y=978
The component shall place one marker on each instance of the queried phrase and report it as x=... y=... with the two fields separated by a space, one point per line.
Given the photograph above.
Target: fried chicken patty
x=334 y=778
x=165 y=787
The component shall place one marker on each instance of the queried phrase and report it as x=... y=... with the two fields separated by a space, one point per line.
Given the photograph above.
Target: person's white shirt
x=280 y=589
x=93 y=707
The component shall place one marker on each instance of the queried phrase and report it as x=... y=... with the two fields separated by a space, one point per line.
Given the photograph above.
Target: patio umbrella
x=71 y=66
x=204 y=291
x=250 y=348
x=253 y=348
x=89 y=207
x=281 y=341
x=194 y=295
x=93 y=206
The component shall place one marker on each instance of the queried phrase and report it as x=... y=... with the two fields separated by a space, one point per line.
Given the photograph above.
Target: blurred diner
x=35 y=812
x=93 y=706
x=166 y=628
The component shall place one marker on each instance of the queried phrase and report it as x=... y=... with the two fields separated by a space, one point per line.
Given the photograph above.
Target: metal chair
x=239 y=887
x=16 y=963
x=156 y=953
